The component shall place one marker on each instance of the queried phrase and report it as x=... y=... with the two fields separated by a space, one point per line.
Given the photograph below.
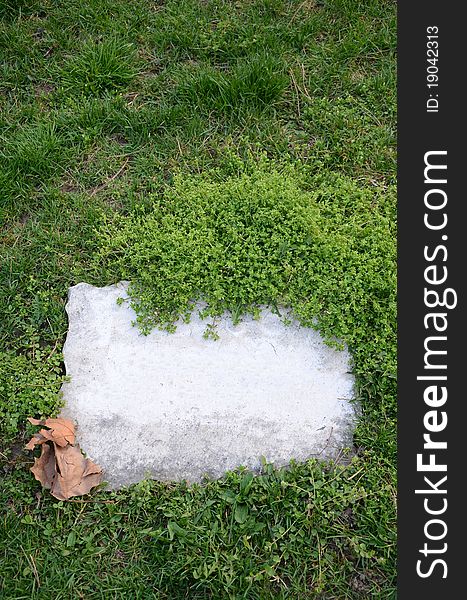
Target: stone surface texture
x=176 y=406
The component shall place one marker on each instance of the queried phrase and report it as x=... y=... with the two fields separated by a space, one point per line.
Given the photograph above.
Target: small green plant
x=210 y=332
x=29 y=387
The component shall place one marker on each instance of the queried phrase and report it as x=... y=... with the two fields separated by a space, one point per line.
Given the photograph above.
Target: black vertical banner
x=431 y=294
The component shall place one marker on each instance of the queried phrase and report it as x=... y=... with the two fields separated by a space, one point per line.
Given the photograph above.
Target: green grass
x=120 y=119
x=100 y=68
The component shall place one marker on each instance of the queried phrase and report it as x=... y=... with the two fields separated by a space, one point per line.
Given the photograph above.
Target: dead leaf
x=61 y=467
x=36 y=439
x=76 y=474
x=61 y=431
x=44 y=468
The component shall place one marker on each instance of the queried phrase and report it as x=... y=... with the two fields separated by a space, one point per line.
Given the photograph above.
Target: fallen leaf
x=36 y=439
x=61 y=431
x=61 y=467
x=76 y=475
x=44 y=467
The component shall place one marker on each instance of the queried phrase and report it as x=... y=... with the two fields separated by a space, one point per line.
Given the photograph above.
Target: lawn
x=243 y=152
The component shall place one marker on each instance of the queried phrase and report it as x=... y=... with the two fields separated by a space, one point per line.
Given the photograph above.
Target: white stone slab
x=177 y=406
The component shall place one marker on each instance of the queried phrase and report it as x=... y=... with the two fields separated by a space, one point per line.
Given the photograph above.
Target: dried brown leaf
x=36 y=439
x=44 y=467
x=76 y=475
x=61 y=431
x=61 y=467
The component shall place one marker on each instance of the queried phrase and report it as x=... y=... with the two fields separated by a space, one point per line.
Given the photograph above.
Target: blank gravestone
x=176 y=406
